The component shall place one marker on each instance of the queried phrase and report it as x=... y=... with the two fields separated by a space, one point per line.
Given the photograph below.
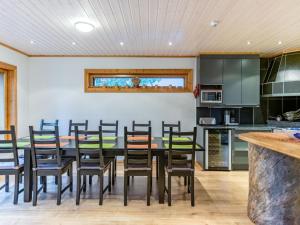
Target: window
x=138 y=80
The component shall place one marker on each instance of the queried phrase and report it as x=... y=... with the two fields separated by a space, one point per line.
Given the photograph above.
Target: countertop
x=279 y=142
x=239 y=127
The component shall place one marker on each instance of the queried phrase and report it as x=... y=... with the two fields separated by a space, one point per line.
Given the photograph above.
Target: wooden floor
x=221 y=198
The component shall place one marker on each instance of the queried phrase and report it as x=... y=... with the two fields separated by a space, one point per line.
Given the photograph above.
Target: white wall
x=21 y=61
x=56 y=91
x=2 y=101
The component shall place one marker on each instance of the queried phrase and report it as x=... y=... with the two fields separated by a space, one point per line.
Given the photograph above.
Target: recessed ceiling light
x=279 y=42
x=121 y=43
x=248 y=42
x=73 y=43
x=214 y=23
x=84 y=27
x=32 y=42
x=170 y=43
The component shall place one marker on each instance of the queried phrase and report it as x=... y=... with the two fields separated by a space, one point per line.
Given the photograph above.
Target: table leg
x=161 y=178
x=27 y=176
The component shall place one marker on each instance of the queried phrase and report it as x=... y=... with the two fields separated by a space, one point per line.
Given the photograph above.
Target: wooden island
x=274 y=178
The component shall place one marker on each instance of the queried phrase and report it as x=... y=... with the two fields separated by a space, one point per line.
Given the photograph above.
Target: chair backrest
x=140 y=147
x=48 y=125
x=8 y=146
x=110 y=128
x=166 y=127
x=45 y=150
x=87 y=146
x=140 y=126
x=81 y=126
x=182 y=147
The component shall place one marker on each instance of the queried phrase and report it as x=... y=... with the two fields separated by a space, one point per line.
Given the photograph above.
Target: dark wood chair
x=140 y=126
x=81 y=126
x=47 y=161
x=48 y=125
x=111 y=129
x=166 y=132
x=137 y=159
x=87 y=165
x=182 y=166
x=10 y=164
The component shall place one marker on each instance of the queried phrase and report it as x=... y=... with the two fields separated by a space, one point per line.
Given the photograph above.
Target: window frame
x=90 y=74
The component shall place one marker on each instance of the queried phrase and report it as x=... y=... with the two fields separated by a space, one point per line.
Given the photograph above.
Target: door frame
x=10 y=89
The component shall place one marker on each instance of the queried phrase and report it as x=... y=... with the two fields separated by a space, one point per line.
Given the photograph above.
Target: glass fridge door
x=218 y=149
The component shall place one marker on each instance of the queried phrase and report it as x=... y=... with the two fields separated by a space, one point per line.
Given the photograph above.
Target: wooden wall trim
x=14 y=49
x=187 y=74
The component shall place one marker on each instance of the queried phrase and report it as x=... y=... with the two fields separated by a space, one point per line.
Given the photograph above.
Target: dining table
x=112 y=147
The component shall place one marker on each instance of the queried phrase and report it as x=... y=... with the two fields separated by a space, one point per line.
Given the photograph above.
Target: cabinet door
x=211 y=71
x=232 y=77
x=250 y=81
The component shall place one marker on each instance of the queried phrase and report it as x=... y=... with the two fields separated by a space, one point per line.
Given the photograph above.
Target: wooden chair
x=137 y=160
x=81 y=126
x=140 y=126
x=166 y=132
x=111 y=129
x=48 y=125
x=182 y=166
x=87 y=165
x=50 y=164
x=10 y=164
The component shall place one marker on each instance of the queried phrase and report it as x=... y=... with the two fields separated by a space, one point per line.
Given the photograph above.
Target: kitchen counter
x=278 y=142
x=239 y=127
x=274 y=181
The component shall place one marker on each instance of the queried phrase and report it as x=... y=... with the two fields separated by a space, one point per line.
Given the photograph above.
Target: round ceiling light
x=84 y=27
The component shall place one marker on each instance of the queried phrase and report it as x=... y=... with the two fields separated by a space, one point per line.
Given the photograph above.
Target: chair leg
x=157 y=168
x=109 y=177
x=128 y=179
x=56 y=181
x=169 y=190
x=101 y=188
x=84 y=183
x=185 y=180
x=16 y=193
x=44 y=179
x=113 y=171
x=78 y=188
x=59 y=187
x=71 y=178
x=90 y=180
x=115 y=167
x=6 y=183
x=189 y=184
x=192 y=191
x=125 y=188
x=35 y=184
x=20 y=179
x=149 y=188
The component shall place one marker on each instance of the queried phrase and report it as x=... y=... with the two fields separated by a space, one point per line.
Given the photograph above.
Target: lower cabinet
x=240 y=150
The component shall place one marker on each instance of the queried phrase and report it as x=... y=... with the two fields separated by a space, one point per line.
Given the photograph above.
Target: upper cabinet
x=250 y=82
x=239 y=76
x=211 y=71
x=232 y=76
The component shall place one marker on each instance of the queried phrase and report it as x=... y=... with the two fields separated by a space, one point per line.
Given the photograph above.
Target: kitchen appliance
x=212 y=96
x=229 y=119
x=218 y=149
x=207 y=121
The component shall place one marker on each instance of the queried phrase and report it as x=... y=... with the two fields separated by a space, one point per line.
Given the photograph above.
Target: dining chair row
x=48 y=160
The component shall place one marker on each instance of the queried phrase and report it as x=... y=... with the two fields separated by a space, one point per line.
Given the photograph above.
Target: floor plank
x=221 y=199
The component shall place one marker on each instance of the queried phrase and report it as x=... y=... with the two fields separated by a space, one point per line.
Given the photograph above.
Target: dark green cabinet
x=232 y=78
x=250 y=81
x=211 y=71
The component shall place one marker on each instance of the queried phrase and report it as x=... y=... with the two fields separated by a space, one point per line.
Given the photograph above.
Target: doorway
x=2 y=99
x=8 y=95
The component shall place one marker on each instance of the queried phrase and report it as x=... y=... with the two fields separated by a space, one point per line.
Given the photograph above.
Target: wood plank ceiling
x=147 y=26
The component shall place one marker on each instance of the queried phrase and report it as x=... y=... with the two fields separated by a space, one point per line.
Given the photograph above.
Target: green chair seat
x=105 y=145
x=105 y=138
x=176 y=139
x=182 y=146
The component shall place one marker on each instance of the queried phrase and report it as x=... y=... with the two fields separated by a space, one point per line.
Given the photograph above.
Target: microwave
x=211 y=96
